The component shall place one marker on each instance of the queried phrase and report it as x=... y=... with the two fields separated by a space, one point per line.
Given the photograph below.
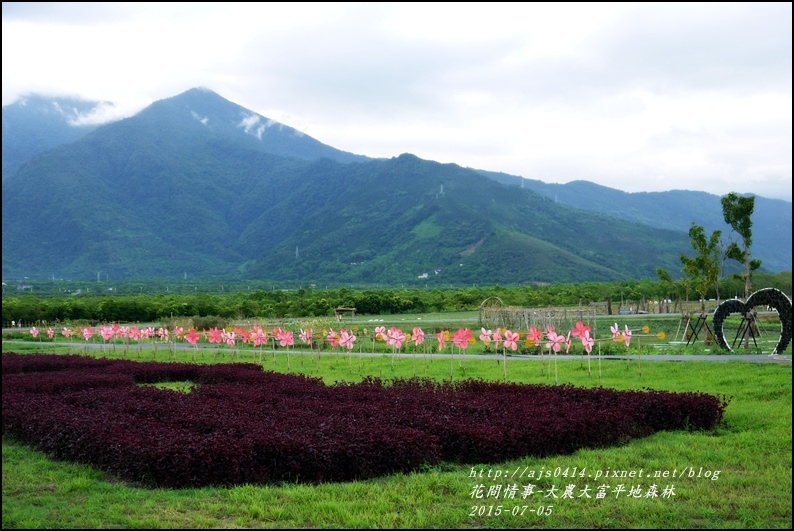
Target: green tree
x=736 y=210
x=704 y=268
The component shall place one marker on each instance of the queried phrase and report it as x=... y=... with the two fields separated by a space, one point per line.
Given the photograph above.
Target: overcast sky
x=637 y=97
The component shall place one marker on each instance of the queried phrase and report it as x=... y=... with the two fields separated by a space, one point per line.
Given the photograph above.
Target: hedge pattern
x=240 y=424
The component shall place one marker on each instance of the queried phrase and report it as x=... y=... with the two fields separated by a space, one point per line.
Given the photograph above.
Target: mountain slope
x=35 y=124
x=196 y=184
x=676 y=210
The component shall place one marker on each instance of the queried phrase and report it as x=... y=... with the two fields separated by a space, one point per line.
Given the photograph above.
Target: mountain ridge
x=168 y=191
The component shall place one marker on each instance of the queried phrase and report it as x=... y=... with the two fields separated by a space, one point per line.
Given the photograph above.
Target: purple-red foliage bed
x=241 y=424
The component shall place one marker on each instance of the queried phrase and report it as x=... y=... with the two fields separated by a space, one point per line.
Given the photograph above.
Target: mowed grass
x=750 y=457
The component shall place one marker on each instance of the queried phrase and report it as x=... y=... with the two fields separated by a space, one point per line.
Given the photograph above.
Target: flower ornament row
x=345 y=338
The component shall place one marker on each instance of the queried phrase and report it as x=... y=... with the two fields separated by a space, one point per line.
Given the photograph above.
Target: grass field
x=747 y=461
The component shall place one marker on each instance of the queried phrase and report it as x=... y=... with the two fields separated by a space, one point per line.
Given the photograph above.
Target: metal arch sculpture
x=766 y=297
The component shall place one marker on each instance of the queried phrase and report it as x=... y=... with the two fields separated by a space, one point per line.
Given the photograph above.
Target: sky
x=640 y=97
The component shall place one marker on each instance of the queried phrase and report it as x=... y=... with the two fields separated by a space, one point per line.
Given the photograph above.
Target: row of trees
x=321 y=302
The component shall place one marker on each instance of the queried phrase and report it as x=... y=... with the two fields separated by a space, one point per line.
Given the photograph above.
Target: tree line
x=318 y=302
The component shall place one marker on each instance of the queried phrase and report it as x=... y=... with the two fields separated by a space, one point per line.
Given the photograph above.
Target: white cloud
x=634 y=96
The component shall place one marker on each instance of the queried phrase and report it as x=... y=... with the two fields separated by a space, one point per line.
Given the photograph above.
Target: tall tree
x=704 y=268
x=736 y=210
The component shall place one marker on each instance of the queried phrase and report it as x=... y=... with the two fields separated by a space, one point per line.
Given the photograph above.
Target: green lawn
x=748 y=461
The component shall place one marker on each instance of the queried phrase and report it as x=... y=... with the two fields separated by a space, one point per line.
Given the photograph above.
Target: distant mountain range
x=197 y=185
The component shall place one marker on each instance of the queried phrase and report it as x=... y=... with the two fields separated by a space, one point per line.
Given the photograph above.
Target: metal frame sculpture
x=765 y=297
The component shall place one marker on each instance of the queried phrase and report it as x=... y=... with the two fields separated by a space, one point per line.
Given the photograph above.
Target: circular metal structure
x=765 y=297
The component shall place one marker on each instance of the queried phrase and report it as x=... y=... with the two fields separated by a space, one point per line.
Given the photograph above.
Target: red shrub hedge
x=243 y=425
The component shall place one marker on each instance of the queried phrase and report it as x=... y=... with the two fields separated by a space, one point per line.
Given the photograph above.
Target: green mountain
x=198 y=185
x=675 y=210
x=35 y=124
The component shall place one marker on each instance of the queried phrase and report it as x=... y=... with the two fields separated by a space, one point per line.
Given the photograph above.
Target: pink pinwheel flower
x=66 y=332
x=497 y=337
x=346 y=339
x=485 y=335
x=215 y=335
x=587 y=341
x=555 y=341
x=462 y=337
x=229 y=337
x=106 y=332
x=627 y=335
x=192 y=337
x=50 y=332
x=534 y=335
x=580 y=329
x=258 y=336
x=34 y=332
x=306 y=336
x=442 y=340
x=418 y=336
x=87 y=332
x=551 y=335
x=511 y=339
x=179 y=332
x=285 y=339
x=333 y=338
x=616 y=333
x=395 y=338
x=135 y=333
x=380 y=333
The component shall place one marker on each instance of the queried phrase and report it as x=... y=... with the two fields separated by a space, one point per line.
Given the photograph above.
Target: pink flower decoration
x=418 y=336
x=627 y=335
x=192 y=336
x=485 y=336
x=380 y=333
x=580 y=329
x=442 y=341
x=462 y=337
x=534 y=335
x=615 y=333
x=286 y=339
x=497 y=337
x=346 y=339
x=215 y=335
x=396 y=337
x=34 y=332
x=511 y=339
x=106 y=332
x=229 y=337
x=259 y=337
x=88 y=333
x=555 y=341
x=587 y=341
x=306 y=336
x=333 y=338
